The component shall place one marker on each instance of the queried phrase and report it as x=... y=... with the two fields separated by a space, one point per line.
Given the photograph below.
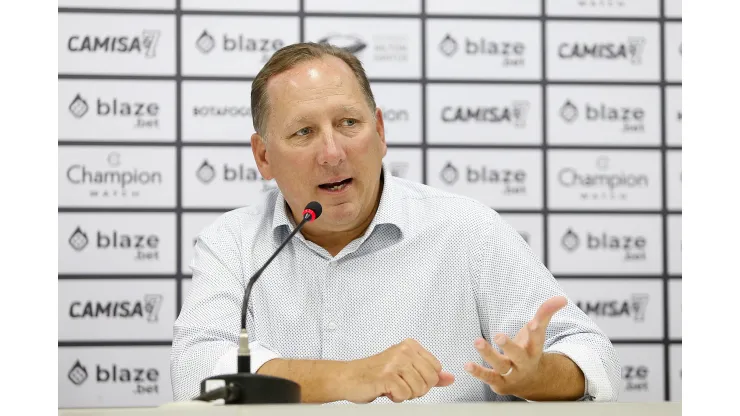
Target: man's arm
x=560 y=379
x=206 y=333
x=402 y=372
x=510 y=285
x=321 y=381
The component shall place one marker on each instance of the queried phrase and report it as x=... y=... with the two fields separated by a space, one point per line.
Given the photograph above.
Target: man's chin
x=340 y=214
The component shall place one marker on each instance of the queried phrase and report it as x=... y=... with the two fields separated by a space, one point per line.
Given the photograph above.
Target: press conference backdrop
x=563 y=115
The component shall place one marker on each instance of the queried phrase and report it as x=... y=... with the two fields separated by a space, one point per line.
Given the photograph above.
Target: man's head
x=316 y=126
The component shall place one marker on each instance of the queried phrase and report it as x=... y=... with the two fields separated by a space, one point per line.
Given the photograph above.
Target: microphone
x=245 y=387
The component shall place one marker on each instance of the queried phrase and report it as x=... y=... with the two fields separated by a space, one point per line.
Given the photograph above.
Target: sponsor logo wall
x=568 y=125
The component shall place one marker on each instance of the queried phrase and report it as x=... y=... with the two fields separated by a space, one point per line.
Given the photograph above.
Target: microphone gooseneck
x=310 y=213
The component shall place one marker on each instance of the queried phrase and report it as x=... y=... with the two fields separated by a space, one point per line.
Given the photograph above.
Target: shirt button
x=332 y=326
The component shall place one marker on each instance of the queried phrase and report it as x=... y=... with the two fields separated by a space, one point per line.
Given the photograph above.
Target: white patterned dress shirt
x=441 y=268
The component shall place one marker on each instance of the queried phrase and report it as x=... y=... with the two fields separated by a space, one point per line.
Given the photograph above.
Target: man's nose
x=332 y=153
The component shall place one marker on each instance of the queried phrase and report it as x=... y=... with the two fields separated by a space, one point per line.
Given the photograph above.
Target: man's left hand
x=516 y=371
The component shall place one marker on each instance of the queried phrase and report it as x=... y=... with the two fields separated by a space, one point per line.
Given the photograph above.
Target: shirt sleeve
x=206 y=333
x=510 y=285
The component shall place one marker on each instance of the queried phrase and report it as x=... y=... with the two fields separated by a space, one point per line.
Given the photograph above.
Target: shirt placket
x=330 y=324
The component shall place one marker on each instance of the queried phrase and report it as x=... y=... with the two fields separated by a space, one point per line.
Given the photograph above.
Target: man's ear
x=259 y=150
x=380 y=129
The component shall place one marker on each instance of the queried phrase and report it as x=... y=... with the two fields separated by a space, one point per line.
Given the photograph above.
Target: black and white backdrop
x=563 y=115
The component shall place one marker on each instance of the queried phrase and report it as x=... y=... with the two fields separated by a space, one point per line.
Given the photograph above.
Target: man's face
x=324 y=143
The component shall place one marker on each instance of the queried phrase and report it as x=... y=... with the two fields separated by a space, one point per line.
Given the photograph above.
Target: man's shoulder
x=245 y=220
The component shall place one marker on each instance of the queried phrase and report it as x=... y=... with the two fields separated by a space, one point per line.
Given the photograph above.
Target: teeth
x=337 y=187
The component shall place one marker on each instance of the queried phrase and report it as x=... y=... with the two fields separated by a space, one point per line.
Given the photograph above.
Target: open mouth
x=336 y=186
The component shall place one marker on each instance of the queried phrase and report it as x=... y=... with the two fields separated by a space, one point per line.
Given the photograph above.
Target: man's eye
x=304 y=131
x=349 y=122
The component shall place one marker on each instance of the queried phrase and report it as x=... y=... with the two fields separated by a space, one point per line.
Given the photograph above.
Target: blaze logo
x=449 y=174
x=205 y=42
x=206 y=173
x=77 y=374
x=78 y=240
x=78 y=107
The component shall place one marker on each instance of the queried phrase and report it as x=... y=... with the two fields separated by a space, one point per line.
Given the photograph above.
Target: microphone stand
x=243 y=387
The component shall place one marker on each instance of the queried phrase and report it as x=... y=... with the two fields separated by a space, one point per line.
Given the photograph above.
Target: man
x=397 y=292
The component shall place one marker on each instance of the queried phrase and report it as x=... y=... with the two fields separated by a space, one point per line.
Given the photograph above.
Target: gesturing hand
x=515 y=371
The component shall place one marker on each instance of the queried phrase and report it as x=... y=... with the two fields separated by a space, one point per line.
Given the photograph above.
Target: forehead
x=316 y=82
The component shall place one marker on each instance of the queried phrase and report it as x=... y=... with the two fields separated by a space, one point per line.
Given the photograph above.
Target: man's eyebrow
x=297 y=120
x=303 y=118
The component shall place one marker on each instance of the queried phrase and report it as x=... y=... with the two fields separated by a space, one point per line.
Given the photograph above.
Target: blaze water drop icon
x=205 y=42
x=78 y=107
x=78 y=374
x=448 y=45
x=205 y=172
x=78 y=240
x=449 y=173
x=570 y=240
x=569 y=111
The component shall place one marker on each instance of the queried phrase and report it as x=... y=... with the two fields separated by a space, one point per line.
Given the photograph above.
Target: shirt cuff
x=592 y=368
x=260 y=355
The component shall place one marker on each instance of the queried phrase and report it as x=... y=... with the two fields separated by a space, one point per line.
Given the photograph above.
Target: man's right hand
x=404 y=371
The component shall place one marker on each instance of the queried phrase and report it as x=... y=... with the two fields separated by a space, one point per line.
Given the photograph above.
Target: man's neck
x=335 y=241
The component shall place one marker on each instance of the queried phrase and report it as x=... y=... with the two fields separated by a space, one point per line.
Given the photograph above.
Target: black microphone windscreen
x=315 y=207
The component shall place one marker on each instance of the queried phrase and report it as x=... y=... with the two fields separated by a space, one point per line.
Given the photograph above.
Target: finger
x=445 y=379
x=536 y=339
x=414 y=380
x=427 y=372
x=514 y=352
x=433 y=361
x=494 y=358
x=545 y=312
x=488 y=376
x=398 y=389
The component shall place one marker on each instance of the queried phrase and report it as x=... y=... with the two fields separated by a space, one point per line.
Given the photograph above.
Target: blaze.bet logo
x=630 y=50
x=629 y=247
x=143 y=44
x=635 y=377
x=206 y=43
x=207 y=172
x=144 y=380
x=145 y=247
x=144 y=114
x=513 y=180
x=631 y=118
x=511 y=53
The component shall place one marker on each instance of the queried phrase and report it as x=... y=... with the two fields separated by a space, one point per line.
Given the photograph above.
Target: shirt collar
x=390 y=210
